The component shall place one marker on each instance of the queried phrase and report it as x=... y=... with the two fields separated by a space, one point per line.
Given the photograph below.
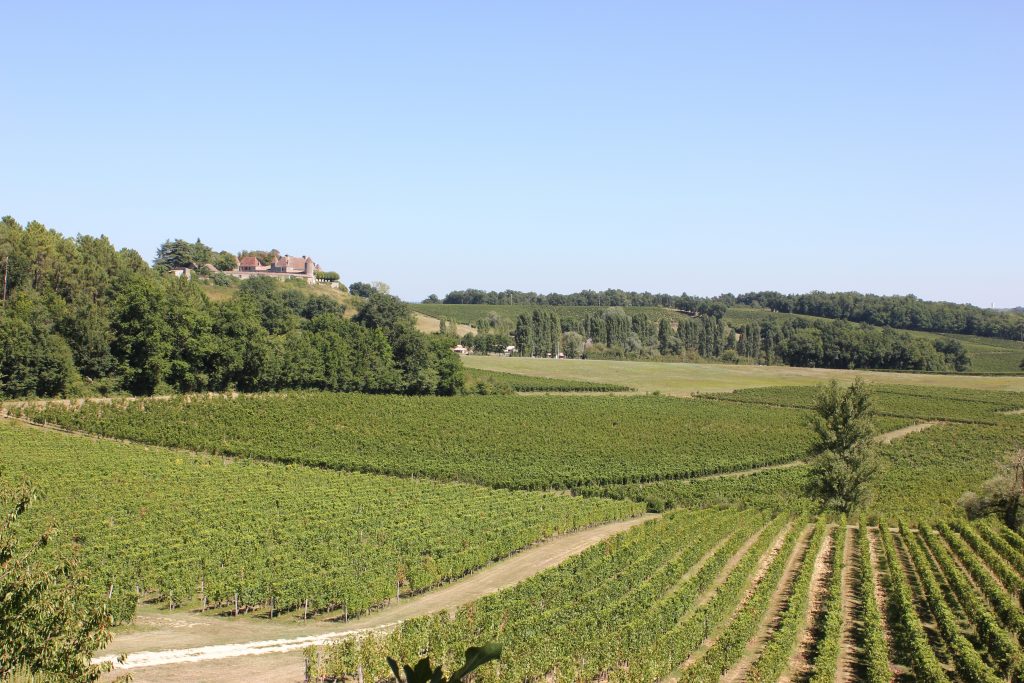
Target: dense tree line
x=614 y=333
x=609 y=297
x=180 y=253
x=901 y=312
x=79 y=317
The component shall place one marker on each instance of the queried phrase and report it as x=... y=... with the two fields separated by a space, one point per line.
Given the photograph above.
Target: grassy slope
x=922 y=476
x=226 y=292
x=428 y=324
x=921 y=403
x=684 y=379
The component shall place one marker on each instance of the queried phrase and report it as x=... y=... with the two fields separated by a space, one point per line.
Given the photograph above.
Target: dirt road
x=895 y=434
x=193 y=647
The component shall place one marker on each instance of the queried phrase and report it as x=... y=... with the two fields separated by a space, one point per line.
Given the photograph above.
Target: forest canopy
x=80 y=317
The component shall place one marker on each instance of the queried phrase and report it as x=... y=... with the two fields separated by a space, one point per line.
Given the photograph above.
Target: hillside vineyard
x=323 y=508
x=707 y=595
x=198 y=531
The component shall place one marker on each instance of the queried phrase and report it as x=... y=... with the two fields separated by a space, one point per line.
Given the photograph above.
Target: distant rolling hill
x=988 y=354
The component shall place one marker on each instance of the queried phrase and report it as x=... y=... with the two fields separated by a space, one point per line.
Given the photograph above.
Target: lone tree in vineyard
x=1003 y=494
x=843 y=456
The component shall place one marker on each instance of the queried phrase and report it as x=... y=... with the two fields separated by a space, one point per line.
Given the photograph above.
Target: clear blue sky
x=547 y=146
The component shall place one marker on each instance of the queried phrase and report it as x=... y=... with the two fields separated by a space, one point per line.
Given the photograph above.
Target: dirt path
x=772 y=613
x=799 y=666
x=895 y=434
x=1019 y=411
x=163 y=646
x=886 y=438
x=849 y=606
x=753 y=470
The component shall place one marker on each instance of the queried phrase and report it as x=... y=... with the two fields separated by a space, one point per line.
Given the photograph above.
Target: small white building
x=460 y=349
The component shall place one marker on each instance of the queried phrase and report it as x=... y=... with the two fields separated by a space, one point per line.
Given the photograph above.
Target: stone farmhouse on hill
x=286 y=267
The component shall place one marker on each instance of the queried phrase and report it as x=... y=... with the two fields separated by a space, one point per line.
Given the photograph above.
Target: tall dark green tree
x=141 y=344
x=844 y=461
x=182 y=254
x=34 y=360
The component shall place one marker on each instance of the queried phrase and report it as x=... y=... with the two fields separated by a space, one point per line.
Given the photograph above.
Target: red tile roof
x=290 y=263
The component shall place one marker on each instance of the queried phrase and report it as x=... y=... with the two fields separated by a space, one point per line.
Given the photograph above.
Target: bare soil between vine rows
x=186 y=646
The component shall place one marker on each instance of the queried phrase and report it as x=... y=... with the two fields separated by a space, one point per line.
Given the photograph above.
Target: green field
x=922 y=475
x=989 y=354
x=169 y=526
x=627 y=604
x=331 y=503
x=779 y=489
x=682 y=596
x=685 y=379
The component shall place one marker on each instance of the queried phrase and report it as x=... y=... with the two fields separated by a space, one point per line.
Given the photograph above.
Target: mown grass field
x=429 y=324
x=685 y=379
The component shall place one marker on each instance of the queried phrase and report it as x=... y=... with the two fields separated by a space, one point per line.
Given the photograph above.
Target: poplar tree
x=843 y=456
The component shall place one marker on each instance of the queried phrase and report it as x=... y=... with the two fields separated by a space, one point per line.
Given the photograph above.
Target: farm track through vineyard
x=152 y=655
x=884 y=438
x=761 y=587
x=742 y=581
